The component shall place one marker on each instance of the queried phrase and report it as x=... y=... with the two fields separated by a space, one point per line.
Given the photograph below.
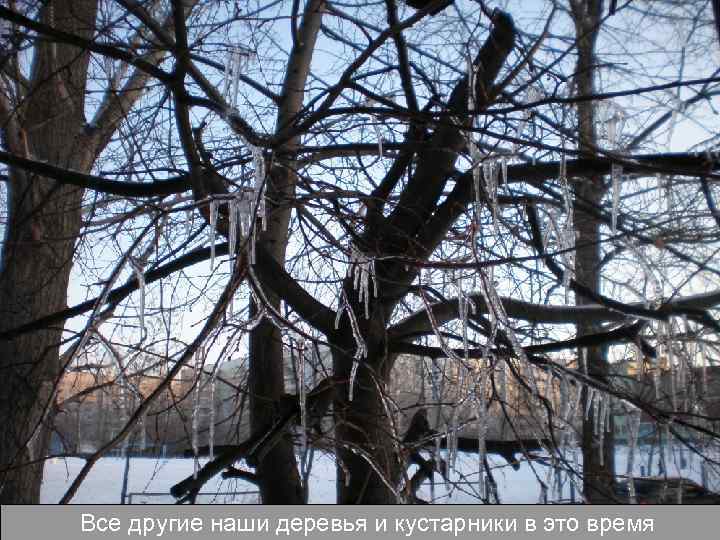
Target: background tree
x=388 y=182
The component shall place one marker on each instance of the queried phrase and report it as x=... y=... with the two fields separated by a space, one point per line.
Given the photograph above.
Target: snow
x=156 y=475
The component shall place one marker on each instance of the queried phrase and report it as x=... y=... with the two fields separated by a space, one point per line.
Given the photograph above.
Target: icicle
x=476 y=165
x=438 y=455
x=471 y=73
x=566 y=242
x=703 y=369
x=482 y=426
x=667 y=327
x=140 y=276
x=600 y=422
x=557 y=483
x=633 y=431
x=338 y=315
x=211 y=425
x=567 y=196
x=504 y=169
x=616 y=172
x=251 y=245
x=259 y=209
x=564 y=398
x=212 y=232
x=452 y=438
x=490 y=177
x=231 y=77
x=465 y=307
x=237 y=55
x=301 y=391
x=669 y=199
x=589 y=401
x=378 y=135
x=188 y=221
x=196 y=414
x=362 y=270
x=233 y=207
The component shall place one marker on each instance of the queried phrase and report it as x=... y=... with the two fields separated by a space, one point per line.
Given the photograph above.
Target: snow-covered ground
x=155 y=476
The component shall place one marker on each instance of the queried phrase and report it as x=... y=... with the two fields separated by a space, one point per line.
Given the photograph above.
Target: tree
x=418 y=193
x=43 y=106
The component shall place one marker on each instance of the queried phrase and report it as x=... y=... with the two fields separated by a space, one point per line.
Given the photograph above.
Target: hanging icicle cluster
x=238 y=58
x=362 y=271
x=243 y=209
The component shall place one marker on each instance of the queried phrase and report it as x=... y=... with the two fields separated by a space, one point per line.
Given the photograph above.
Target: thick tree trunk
x=278 y=475
x=279 y=480
x=598 y=459
x=44 y=221
x=363 y=425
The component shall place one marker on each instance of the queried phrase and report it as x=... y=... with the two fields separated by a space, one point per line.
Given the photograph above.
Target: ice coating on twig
x=211 y=425
x=479 y=399
x=496 y=307
x=196 y=413
x=188 y=221
x=213 y=231
x=140 y=276
x=360 y=346
x=466 y=307
x=476 y=165
x=436 y=329
x=616 y=172
x=452 y=439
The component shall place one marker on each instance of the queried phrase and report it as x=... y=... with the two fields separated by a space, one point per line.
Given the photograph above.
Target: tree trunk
x=363 y=429
x=278 y=475
x=364 y=425
x=598 y=461
x=279 y=480
x=43 y=224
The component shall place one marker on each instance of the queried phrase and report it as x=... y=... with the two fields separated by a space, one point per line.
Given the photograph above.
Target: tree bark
x=363 y=429
x=277 y=472
x=43 y=223
x=598 y=460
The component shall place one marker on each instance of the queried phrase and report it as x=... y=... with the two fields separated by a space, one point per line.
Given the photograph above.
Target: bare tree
x=443 y=182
